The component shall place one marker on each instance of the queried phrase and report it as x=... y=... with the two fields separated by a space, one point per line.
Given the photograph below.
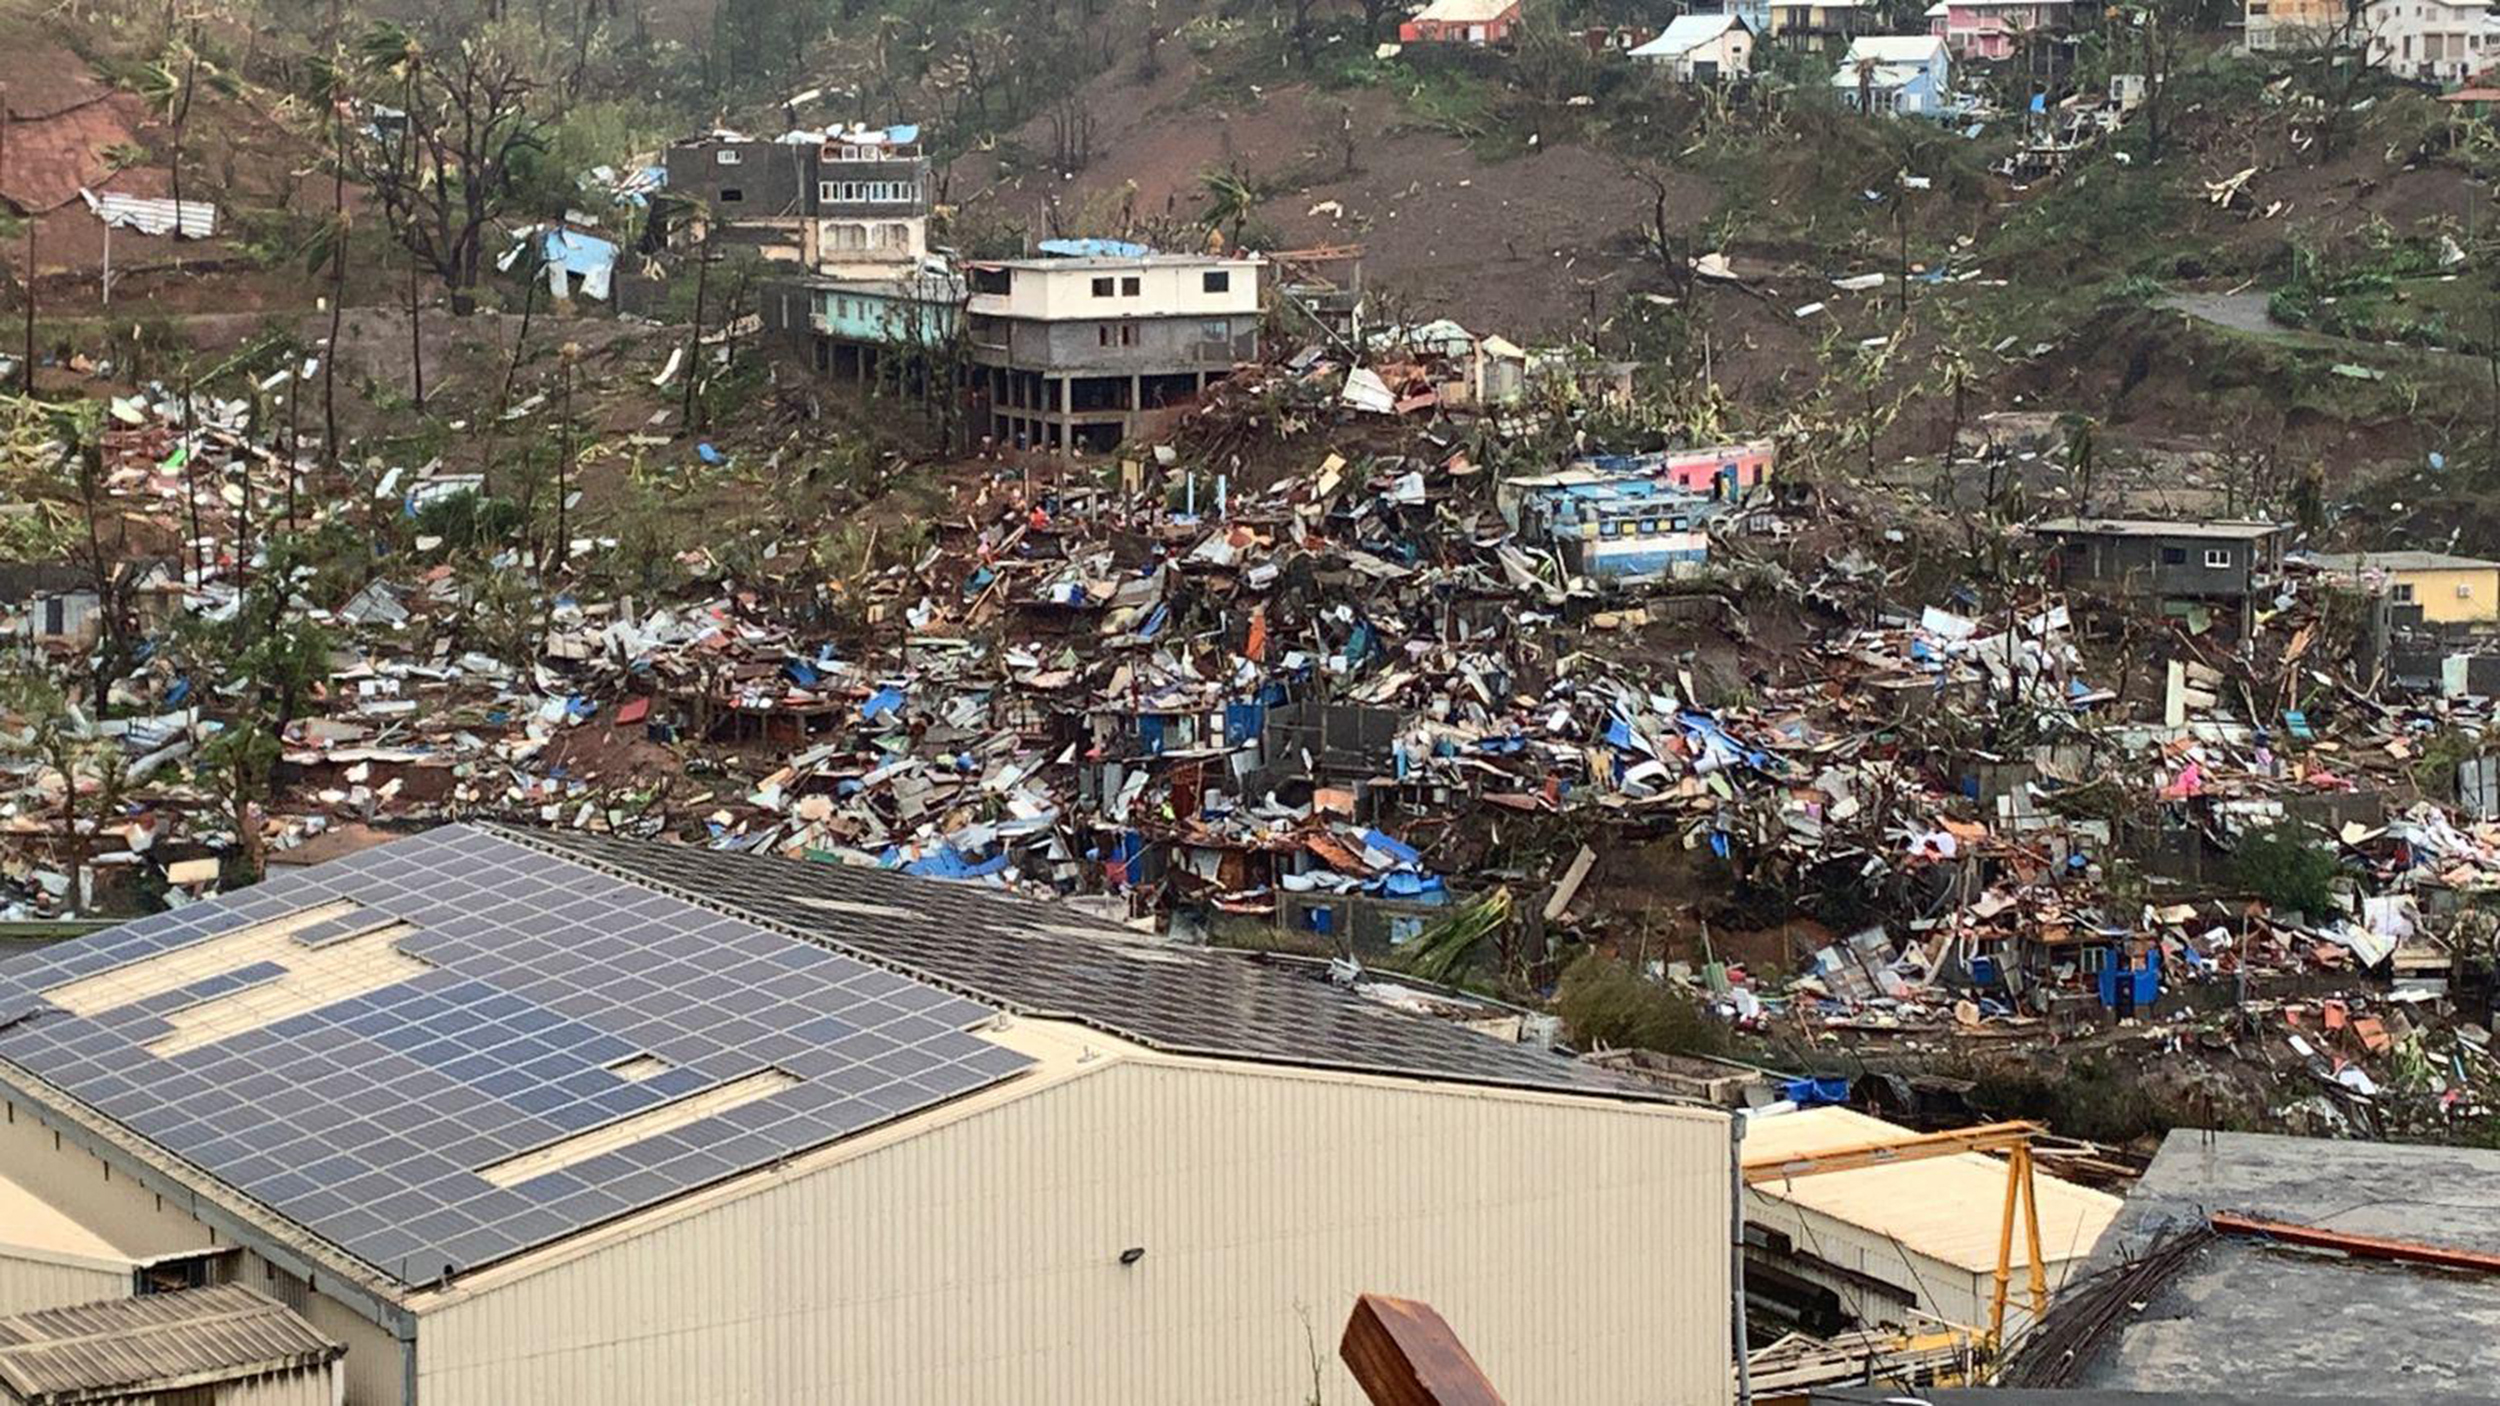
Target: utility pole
x=29 y=371
x=572 y=355
x=416 y=335
x=694 y=335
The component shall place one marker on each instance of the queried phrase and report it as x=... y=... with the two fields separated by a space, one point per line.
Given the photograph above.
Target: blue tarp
x=1414 y=888
x=1243 y=722
x=1373 y=839
x=1814 y=1093
x=945 y=863
x=883 y=702
x=1093 y=249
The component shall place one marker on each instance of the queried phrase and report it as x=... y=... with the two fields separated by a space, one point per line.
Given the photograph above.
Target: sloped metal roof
x=101 y=1351
x=1046 y=960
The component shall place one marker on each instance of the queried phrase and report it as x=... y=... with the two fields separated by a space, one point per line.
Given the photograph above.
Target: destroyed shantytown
x=1250 y=702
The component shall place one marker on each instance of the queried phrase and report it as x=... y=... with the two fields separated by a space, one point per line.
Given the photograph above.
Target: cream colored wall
x=75 y=1183
x=28 y=1283
x=310 y=1387
x=1958 y=1296
x=2436 y=593
x=375 y=1370
x=142 y=1225
x=1163 y=290
x=1578 y=1246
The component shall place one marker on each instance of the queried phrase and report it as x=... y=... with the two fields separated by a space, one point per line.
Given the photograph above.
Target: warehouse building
x=1907 y=1245
x=527 y=1118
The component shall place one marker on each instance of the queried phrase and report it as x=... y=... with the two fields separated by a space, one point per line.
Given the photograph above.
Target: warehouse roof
x=2241 y=1314
x=1944 y=1208
x=154 y=1343
x=444 y=1051
x=1047 y=960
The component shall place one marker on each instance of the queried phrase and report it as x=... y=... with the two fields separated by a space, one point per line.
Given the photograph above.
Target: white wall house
x=2432 y=41
x=1701 y=48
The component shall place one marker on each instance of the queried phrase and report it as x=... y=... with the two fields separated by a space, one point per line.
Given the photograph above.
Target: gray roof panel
x=369 y=1118
x=1049 y=960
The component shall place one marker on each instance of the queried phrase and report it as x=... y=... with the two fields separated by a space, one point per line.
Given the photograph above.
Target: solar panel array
x=367 y=1120
x=1049 y=960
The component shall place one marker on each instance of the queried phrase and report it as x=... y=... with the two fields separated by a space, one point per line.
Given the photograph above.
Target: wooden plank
x=2364 y=1247
x=1403 y=1353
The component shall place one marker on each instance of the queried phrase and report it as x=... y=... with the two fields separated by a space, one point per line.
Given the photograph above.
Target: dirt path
x=2245 y=312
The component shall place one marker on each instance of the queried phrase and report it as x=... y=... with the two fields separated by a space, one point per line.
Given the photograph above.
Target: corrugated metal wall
x=302 y=1388
x=30 y=1284
x=1579 y=1247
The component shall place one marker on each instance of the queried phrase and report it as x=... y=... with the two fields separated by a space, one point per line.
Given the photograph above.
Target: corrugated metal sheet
x=1578 y=1245
x=153 y=216
x=28 y=1283
x=1948 y=1209
x=199 y=1335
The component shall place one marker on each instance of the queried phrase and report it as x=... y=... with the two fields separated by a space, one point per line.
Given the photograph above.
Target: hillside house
x=1477 y=22
x=2434 y=588
x=1701 y=49
x=2431 y=41
x=2181 y=562
x=2274 y=26
x=848 y=202
x=1074 y=348
x=757 y=193
x=1796 y=22
x=1901 y=75
x=1994 y=29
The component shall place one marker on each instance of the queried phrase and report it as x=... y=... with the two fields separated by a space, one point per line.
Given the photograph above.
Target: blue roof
x=532 y=978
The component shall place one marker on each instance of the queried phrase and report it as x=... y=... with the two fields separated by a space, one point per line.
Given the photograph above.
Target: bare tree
x=1071 y=132
x=469 y=119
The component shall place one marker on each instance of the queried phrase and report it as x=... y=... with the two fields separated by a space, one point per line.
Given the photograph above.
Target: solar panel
x=1045 y=960
x=367 y=1119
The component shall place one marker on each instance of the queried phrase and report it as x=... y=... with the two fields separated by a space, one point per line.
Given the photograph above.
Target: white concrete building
x=2432 y=41
x=1076 y=348
x=548 y=1119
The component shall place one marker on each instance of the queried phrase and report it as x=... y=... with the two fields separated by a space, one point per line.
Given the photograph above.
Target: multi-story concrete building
x=1072 y=350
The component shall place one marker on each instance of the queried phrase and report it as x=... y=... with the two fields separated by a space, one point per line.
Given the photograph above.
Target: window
x=1130 y=287
x=2174 y=556
x=2217 y=558
x=2403 y=593
x=1102 y=287
x=731 y=195
x=2464 y=591
x=1216 y=283
x=999 y=281
x=1102 y=335
x=1216 y=329
x=726 y=156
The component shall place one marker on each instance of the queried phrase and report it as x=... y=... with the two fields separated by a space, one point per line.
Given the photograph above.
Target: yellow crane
x=2011 y=1139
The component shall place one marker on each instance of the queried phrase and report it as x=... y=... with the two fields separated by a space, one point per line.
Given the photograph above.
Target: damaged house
x=1076 y=349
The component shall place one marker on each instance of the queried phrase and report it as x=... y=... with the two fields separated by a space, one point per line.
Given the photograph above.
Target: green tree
x=254 y=672
x=46 y=726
